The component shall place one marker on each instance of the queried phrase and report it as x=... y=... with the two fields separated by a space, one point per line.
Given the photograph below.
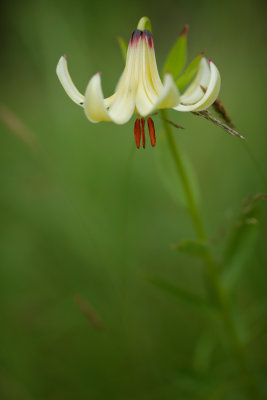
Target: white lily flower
x=140 y=89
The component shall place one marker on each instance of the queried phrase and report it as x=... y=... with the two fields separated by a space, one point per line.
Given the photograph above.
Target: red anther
x=137 y=132
x=151 y=129
x=143 y=132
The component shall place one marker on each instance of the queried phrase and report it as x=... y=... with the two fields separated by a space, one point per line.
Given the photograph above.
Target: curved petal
x=151 y=94
x=122 y=103
x=66 y=82
x=156 y=81
x=209 y=96
x=126 y=76
x=94 y=105
x=169 y=94
x=213 y=89
x=96 y=110
x=167 y=97
x=146 y=94
x=194 y=92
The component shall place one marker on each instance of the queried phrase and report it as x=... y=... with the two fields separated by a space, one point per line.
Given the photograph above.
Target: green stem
x=210 y=266
x=191 y=202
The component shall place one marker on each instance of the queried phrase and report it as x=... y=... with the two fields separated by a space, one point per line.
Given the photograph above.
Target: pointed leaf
x=123 y=47
x=192 y=247
x=184 y=80
x=177 y=57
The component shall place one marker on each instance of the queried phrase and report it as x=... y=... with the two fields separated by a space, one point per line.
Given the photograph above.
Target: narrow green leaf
x=177 y=57
x=123 y=47
x=184 y=80
x=180 y=293
x=192 y=247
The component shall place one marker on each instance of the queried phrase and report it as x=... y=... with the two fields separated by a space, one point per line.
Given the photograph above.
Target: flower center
x=139 y=132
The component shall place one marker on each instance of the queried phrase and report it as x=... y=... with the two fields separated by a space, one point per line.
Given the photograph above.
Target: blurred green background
x=85 y=217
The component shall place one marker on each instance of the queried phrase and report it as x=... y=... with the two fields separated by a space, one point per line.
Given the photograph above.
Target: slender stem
x=191 y=202
x=210 y=267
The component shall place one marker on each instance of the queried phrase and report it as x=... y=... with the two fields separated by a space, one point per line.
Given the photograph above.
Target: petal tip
x=66 y=81
x=185 y=30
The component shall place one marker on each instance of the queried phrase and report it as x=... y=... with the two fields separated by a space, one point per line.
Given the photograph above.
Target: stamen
x=143 y=132
x=151 y=129
x=137 y=132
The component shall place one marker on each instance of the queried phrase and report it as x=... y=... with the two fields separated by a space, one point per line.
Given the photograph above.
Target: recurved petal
x=213 y=89
x=194 y=92
x=66 y=82
x=208 y=96
x=168 y=97
x=94 y=105
x=121 y=107
x=169 y=94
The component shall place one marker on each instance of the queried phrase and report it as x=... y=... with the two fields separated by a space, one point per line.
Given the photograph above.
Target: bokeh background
x=86 y=218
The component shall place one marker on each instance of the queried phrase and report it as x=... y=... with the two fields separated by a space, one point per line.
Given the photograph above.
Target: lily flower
x=140 y=89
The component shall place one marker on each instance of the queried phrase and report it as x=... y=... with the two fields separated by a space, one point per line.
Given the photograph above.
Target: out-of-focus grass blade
x=184 y=80
x=123 y=47
x=179 y=293
x=242 y=242
x=192 y=247
x=177 y=57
